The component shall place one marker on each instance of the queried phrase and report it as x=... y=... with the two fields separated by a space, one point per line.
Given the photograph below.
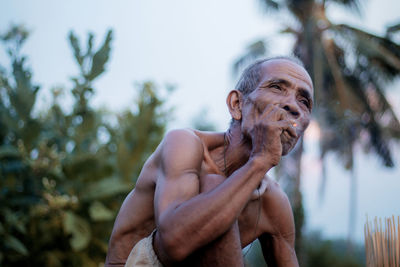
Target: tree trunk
x=352 y=209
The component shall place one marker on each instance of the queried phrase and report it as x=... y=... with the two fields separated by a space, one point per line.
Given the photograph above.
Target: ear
x=234 y=103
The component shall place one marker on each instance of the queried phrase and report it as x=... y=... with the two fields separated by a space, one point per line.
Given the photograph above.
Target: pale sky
x=193 y=45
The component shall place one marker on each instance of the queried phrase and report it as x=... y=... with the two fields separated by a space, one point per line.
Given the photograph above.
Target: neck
x=237 y=148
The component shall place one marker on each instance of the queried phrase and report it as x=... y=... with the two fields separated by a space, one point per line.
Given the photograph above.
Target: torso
x=138 y=221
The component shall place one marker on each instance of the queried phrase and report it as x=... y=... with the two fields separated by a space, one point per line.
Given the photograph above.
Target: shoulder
x=181 y=140
x=181 y=148
x=278 y=211
x=186 y=135
x=274 y=195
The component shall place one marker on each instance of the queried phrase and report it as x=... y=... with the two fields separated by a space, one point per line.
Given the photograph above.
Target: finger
x=282 y=115
x=279 y=114
x=288 y=127
x=268 y=109
x=259 y=110
x=291 y=130
x=271 y=112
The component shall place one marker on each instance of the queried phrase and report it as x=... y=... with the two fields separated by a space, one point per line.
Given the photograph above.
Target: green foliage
x=64 y=175
x=321 y=253
x=318 y=252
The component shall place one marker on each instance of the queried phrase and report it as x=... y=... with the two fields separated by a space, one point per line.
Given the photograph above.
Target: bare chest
x=252 y=222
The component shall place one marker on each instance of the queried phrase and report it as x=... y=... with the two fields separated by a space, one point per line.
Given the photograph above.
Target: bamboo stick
x=386 y=242
x=392 y=240
x=382 y=242
x=377 y=246
x=390 y=244
x=398 y=241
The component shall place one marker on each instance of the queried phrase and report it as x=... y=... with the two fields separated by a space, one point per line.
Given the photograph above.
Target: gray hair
x=251 y=76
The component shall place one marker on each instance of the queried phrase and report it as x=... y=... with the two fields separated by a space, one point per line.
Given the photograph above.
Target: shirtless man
x=194 y=203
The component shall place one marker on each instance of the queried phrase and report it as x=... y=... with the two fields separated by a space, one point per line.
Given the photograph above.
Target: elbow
x=170 y=247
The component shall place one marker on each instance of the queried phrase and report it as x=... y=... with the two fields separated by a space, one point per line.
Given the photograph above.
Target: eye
x=305 y=102
x=276 y=86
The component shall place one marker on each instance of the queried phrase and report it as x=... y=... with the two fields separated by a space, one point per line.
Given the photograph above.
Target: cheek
x=256 y=103
x=247 y=120
x=248 y=111
x=304 y=124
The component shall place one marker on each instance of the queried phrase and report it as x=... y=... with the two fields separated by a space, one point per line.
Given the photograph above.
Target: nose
x=292 y=110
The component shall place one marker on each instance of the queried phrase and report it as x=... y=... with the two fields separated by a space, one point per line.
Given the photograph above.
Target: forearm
x=278 y=251
x=284 y=258
x=226 y=250
x=207 y=216
x=284 y=253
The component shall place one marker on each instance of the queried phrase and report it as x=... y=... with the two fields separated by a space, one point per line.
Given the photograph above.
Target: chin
x=287 y=147
x=285 y=151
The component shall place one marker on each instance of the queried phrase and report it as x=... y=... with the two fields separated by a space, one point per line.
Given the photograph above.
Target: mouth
x=287 y=139
x=286 y=136
x=297 y=128
x=288 y=142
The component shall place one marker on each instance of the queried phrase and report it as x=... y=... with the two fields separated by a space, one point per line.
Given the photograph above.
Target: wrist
x=261 y=162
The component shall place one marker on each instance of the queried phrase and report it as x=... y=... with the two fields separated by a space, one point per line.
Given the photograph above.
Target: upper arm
x=278 y=242
x=178 y=177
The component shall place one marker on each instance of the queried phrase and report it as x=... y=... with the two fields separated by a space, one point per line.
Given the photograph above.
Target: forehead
x=286 y=70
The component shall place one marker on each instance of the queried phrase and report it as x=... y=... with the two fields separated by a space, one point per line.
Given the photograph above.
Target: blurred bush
x=337 y=252
x=318 y=252
x=64 y=174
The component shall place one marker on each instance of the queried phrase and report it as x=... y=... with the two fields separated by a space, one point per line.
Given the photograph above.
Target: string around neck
x=225 y=148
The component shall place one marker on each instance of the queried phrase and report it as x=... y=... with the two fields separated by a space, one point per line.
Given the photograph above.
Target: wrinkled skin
x=205 y=213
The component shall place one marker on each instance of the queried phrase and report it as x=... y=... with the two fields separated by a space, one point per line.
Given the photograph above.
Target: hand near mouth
x=266 y=134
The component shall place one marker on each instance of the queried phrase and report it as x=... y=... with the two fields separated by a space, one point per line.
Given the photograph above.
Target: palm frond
x=393 y=124
x=340 y=86
x=339 y=137
x=291 y=30
x=253 y=51
x=341 y=125
x=368 y=121
x=270 y=5
x=354 y=5
x=392 y=29
x=381 y=53
x=380 y=144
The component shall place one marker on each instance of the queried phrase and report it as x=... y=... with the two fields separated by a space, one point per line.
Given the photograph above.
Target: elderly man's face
x=287 y=85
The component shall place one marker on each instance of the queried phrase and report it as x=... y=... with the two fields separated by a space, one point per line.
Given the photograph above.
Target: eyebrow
x=305 y=93
x=276 y=81
x=302 y=91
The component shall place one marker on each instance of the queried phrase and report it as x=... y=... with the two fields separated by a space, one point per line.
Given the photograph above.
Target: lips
x=286 y=137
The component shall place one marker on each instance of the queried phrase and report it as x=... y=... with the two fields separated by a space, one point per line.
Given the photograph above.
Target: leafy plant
x=64 y=175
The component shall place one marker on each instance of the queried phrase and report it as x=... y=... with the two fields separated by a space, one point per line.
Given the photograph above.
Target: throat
x=235 y=158
x=236 y=152
x=231 y=153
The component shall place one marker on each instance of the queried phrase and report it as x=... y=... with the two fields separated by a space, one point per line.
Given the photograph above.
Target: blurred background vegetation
x=351 y=70
x=65 y=172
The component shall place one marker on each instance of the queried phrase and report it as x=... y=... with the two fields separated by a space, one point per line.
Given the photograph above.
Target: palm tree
x=350 y=69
